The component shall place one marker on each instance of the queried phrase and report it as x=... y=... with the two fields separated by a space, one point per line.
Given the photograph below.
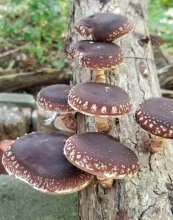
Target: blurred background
x=32 y=35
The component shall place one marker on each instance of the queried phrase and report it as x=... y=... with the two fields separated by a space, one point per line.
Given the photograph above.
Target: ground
x=18 y=201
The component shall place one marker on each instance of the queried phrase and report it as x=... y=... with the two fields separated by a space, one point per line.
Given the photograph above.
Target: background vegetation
x=160 y=20
x=43 y=24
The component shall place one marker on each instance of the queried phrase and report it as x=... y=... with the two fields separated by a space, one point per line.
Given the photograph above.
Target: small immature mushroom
x=54 y=98
x=38 y=160
x=155 y=115
x=101 y=155
x=97 y=56
x=99 y=100
x=156 y=40
x=104 y=26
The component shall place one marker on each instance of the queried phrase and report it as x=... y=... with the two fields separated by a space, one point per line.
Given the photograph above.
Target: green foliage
x=159 y=20
x=41 y=22
x=167 y=3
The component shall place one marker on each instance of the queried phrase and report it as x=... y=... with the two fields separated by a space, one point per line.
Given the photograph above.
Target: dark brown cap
x=99 y=99
x=38 y=160
x=156 y=116
x=104 y=26
x=101 y=155
x=54 y=98
x=96 y=55
x=156 y=40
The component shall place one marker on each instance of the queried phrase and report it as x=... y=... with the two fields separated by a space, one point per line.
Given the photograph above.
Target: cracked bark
x=146 y=196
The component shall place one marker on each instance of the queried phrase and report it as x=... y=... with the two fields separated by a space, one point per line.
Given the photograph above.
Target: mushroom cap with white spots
x=96 y=55
x=99 y=99
x=104 y=26
x=156 y=116
x=101 y=155
x=55 y=98
x=38 y=160
x=156 y=40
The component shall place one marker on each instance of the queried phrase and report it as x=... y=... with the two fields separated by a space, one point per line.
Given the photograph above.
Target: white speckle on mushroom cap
x=97 y=55
x=154 y=115
x=55 y=98
x=32 y=160
x=104 y=26
x=99 y=99
x=101 y=155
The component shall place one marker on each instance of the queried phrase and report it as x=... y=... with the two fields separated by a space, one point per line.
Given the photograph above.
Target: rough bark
x=146 y=196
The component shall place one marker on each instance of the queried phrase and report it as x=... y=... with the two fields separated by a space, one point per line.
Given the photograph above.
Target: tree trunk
x=146 y=196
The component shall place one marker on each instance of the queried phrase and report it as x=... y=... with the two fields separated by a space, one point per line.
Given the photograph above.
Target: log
x=165 y=75
x=16 y=81
x=167 y=93
x=146 y=196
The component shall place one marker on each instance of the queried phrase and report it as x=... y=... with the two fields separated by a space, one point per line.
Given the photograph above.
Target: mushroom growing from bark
x=155 y=115
x=38 y=160
x=54 y=98
x=104 y=26
x=156 y=40
x=101 y=155
x=97 y=56
x=100 y=100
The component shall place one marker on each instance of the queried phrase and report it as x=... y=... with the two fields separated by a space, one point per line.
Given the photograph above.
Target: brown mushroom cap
x=38 y=160
x=104 y=26
x=156 y=40
x=99 y=99
x=54 y=98
x=156 y=116
x=101 y=155
x=96 y=55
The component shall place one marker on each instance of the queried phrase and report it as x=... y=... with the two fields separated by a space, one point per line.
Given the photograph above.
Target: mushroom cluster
x=99 y=54
x=58 y=164
x=38 y=159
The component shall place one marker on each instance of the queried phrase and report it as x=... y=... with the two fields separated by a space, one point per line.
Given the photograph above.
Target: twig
x=167 y=92
x=13 y=51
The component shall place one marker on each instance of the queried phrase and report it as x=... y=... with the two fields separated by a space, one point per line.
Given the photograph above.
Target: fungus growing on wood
x=97 y=56
x=104 y=26
x=101 y=155
x=155 y=115
x=38 y=160
x=54 y=98
x=99 y=100
x=156 y=40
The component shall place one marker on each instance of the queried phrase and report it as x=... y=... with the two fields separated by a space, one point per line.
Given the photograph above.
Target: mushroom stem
x=100 y=76
x=102 y=124
x=66 y=122
x=157 y=144
x=106 y=183
x=3 y=146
